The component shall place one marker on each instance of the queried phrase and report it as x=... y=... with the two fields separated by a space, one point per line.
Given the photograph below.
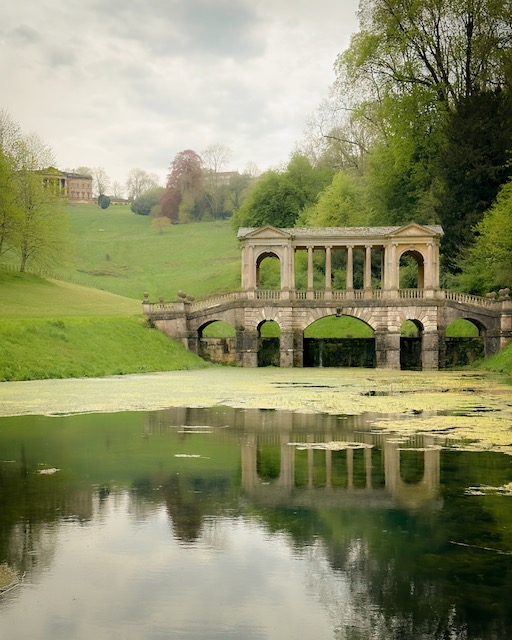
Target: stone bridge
x=372 y=259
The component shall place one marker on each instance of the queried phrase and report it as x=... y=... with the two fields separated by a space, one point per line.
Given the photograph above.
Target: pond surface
x=196 y=523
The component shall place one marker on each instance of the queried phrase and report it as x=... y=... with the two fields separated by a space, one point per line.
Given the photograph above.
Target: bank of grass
x=52 y=329
x=74 y=347
x=500 y=363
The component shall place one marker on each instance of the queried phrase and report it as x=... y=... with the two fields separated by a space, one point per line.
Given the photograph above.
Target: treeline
x=417 y=127
x=32 y=220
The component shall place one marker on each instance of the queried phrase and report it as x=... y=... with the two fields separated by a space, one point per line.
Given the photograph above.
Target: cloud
x=123 y=84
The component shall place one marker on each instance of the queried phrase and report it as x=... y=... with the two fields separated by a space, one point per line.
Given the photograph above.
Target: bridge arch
x=216 y=341
x=339 y=340
x=269 y=342
x=465 y=341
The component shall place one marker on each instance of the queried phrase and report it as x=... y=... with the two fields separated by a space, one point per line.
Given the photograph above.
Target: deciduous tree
x=100 y=181
x=179 y=200
x=140 y=181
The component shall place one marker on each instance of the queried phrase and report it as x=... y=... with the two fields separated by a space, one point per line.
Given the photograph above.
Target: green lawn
x=117 y=250
x=29 y=296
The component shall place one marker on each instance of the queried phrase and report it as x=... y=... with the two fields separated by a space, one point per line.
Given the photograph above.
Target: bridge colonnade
x=383 y=306
x=420 y=242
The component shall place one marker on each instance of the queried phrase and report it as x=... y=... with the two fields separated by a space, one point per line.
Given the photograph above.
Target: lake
x=248 y=523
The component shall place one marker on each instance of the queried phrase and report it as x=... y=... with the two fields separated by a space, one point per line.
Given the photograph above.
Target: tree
x=340 y=204
x=474 y=164
x=279 y=197
x=412 y=75
x=117 y=189
x=10 y=141
x=147 y=201
x=453 y=47
x=215 y=188
x=140 y=181
x=40 y=229
x=180 y=199
x=83 y=170
x=100 y=181
x=487 y=264
x=32 y=224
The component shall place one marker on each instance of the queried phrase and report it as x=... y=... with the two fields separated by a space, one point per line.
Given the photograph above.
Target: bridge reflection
x=311 y=460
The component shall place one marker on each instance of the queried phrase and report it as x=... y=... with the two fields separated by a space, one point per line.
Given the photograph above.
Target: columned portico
x=418 y=241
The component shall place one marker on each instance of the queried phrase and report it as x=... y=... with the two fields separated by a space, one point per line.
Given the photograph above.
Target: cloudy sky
x=129 y=83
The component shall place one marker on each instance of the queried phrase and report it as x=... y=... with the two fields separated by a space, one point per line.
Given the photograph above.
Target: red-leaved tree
x=183 y=186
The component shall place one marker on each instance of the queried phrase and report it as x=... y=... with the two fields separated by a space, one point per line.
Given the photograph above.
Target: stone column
x=328 y=285
x=387 y=348
x=328 y=468
x=430 y=350
x=350 y=268
x=350 y=468
x=286 y=351
x=310 y=269
x=368 y=467
x=287 y=470
x=249 y=350
x=298 y=348
x=368 y=267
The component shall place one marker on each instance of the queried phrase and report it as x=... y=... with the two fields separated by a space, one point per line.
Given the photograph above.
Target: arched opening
x=268 y=462
x=268 y=344
x=217 y=342
x=412 y=465
x=268 y=271
x=339 y=341
x=465 y=342
x=412 y=270
x=411 y=339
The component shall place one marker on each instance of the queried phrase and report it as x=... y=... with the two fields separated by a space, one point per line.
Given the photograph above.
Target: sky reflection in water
x=137 y=537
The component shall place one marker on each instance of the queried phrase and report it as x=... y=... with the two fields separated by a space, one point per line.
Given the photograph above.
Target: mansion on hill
x=77 y=187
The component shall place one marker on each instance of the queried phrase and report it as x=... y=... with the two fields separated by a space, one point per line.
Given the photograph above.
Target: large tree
x=215 y=188
x=100 y=181
x=454 y=47
x=180 y=200
x=474 y=164
x=416 y=72
x=32 y=224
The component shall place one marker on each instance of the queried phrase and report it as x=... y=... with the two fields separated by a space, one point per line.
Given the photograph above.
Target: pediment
x=413 y=230
x=268 y=232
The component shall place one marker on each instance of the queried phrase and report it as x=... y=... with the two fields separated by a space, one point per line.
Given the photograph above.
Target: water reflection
x=193 y=523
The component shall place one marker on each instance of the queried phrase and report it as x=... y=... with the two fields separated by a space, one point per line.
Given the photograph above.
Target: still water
x=249 y=524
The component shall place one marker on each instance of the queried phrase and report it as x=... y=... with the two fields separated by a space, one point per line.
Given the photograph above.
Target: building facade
x=77 y=187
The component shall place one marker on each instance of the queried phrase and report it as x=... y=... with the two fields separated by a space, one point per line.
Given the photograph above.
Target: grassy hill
x=116 y=250
x=53 y=328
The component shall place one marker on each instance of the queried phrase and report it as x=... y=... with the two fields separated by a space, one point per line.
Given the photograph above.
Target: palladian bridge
x=372 y=260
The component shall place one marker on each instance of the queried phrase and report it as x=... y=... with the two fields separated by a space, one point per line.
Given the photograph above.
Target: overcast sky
x=129 y=83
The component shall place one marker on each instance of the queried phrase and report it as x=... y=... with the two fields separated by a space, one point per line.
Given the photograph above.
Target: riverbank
x=471 y=406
